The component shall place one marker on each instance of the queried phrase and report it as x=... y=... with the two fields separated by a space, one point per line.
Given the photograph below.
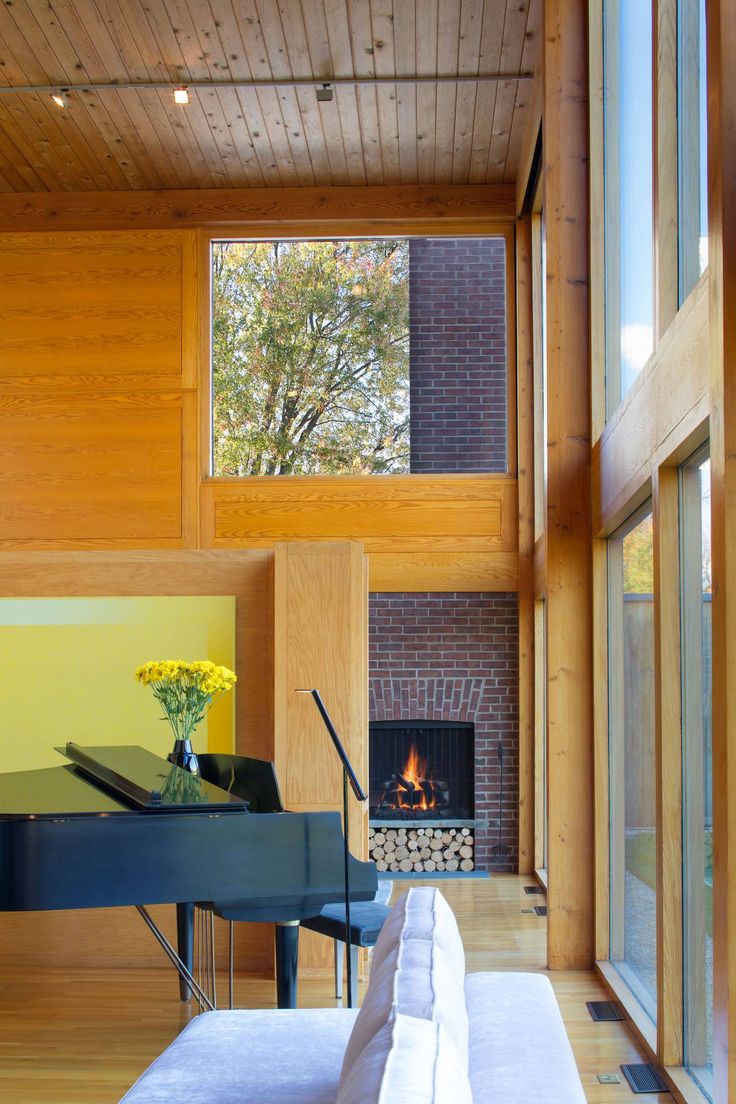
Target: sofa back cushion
x=416 y=979
x=408 y=1061
x=422 y=913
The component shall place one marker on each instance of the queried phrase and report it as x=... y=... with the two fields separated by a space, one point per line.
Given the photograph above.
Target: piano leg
x=287 y=958
x=185 y=939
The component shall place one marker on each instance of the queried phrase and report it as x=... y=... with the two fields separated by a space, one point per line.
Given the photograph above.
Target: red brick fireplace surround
x=454 y=657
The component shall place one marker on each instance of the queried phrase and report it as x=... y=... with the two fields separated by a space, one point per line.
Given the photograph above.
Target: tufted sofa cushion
x=408 y=1061
x=422 y=913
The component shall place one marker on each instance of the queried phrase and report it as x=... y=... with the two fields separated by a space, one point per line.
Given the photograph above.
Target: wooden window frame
x=622 y=477
x=691 y=596
x=348 y=229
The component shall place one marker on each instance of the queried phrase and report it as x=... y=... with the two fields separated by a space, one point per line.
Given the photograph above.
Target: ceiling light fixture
x=324 y=94
x=61 y=98
x=181 y=95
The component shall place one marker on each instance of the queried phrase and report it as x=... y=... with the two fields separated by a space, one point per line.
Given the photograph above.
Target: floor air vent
x=541 y=910
x=604 y=1011
x=533 y=889
x=643 y=1078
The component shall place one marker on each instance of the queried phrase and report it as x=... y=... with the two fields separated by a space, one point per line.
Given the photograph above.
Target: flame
x=415 y=771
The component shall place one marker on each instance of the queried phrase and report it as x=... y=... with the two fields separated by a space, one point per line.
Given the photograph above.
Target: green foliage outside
x=310 y=357
x=638 y=556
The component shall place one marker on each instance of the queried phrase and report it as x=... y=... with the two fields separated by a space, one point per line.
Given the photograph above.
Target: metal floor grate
x=541 y=910
x=533 y=889
x=643 y=1078
x=604 y=1011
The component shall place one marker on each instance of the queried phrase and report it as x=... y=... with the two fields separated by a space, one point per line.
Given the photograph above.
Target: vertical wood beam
x=569 y=586
x=668 y=759
x=721 y=45
x=525 y=441
x=666 y=294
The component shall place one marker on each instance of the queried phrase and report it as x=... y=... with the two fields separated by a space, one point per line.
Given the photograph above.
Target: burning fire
x=414 y=772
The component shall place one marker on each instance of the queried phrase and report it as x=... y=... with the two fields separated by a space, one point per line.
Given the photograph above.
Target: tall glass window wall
x=692 y=113
x=632 y=759
x=629 y=194
x=697 y=769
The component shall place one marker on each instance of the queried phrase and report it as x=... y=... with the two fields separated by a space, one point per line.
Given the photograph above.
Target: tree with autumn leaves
x=310 y=357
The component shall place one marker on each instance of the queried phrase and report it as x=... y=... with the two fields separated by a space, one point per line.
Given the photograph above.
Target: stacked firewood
x=421 y=849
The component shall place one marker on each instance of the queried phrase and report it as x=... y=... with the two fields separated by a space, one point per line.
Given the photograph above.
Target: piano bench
x=366 y=921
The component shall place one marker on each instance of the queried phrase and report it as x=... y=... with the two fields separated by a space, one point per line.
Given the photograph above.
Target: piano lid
x=148 y=782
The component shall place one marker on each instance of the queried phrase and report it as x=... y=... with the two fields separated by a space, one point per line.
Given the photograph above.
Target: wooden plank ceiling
x=123 y=139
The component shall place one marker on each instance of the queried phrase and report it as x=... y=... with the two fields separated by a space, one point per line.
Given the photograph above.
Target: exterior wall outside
x=458 y=354
x=455 y=657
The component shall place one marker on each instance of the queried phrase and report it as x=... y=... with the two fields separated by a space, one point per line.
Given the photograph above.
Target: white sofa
x=426 y=1034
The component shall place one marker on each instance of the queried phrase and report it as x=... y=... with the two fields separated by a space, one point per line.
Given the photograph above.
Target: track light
x=324 y=93
x=61 y=98
x=181 y=95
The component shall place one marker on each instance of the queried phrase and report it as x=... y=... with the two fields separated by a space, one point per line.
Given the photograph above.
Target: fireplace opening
x=421 y=770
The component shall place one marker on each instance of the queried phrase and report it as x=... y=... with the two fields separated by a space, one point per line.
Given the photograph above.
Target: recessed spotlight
x=61 y=98
x=324 y=94
x=181 y=95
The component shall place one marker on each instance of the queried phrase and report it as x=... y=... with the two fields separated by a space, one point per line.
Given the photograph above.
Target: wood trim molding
x=525 y=438
x=721 y=49
x=641 y=1025
x=662 y=419
x=666 y=266
x=597 y=221
x=668 y=759
x=601 y=750
x=531 y=138
x=462 y=208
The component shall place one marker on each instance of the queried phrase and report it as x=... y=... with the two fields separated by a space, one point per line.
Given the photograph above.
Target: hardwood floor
x=82 y=1037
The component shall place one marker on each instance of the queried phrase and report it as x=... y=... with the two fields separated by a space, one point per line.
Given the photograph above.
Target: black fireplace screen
x=421 y=770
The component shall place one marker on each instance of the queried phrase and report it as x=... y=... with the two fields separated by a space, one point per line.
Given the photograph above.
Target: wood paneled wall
x=97 y=390
x=453 y=532
x=103 y=383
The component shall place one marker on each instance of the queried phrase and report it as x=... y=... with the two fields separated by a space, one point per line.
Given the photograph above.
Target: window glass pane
x=632 y=768
x=359 y=357
x=628 y=193
x=693 y=142
x=697 y=770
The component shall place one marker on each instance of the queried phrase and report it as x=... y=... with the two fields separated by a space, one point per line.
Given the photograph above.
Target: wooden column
x=321 y=641
x=569 y=585
x=525 y=441
x=721 y=31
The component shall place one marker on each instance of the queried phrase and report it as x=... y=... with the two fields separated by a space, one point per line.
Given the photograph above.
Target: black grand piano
x=121 y=826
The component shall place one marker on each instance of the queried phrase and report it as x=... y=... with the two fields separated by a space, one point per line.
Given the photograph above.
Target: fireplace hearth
x=421 y=771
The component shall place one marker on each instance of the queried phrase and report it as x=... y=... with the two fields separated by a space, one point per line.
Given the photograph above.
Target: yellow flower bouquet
x=185 y=690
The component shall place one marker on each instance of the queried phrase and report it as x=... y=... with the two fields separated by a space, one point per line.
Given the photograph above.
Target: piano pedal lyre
x=204 y=952
x=202 y=998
